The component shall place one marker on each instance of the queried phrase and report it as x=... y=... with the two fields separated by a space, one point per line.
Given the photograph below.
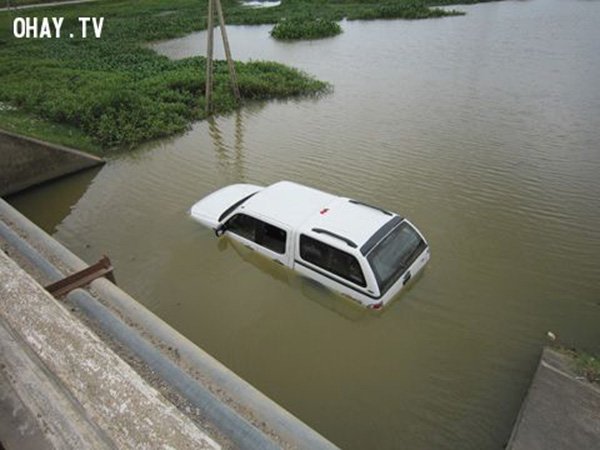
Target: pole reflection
x=230 y=158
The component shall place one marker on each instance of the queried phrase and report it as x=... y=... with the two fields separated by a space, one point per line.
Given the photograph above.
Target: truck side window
x=331 y=259
x=272 y=237
x=267 y=235
x=243 y=225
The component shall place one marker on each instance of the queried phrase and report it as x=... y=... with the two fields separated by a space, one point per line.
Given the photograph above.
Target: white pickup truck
x=365 y=253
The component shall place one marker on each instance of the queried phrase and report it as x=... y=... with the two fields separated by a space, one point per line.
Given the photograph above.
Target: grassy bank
x=585 y=364
x=112 y=93
x=30 y=125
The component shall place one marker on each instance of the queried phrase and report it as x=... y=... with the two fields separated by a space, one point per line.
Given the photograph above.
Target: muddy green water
x=484 y=130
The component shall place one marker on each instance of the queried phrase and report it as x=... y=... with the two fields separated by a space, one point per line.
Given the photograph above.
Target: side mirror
x=221 y=228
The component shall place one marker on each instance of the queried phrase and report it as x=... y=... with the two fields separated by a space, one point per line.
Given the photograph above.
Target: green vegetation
x=410 y=10
x=586 y=364
x=305 y=28
x=113 y=93
x=128 y=105
x=11 y=3
x=336 y=10
x=66 y=135
x=113 y=90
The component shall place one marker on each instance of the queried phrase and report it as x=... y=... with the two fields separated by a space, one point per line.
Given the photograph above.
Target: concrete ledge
x=79 y=393
x=267 y=416
x=43 y=413
x=25 y=162
x=561 y=410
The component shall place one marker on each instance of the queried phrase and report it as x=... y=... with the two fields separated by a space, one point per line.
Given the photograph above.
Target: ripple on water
x=484 y=130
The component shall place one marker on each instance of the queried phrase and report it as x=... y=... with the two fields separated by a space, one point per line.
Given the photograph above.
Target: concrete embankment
x=561 y=410
x=77 y=391
x=219 y=401
x=25 y=162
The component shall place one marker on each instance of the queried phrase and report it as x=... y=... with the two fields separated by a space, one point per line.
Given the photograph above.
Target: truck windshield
x=390 y=258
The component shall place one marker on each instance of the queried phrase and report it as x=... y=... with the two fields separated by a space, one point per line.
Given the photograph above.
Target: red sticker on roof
x=324 y=210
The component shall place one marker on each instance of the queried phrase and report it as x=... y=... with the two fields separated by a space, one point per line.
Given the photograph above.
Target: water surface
x=484 y=130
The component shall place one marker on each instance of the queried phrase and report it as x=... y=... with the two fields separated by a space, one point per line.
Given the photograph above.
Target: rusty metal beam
x=103 y=268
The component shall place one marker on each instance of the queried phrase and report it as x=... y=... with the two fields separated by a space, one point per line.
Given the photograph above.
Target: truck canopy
x=304 y=209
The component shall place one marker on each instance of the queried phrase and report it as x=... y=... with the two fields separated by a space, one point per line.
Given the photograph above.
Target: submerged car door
x=273 y=241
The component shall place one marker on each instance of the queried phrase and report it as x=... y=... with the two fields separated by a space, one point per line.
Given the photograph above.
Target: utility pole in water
x=212 y=5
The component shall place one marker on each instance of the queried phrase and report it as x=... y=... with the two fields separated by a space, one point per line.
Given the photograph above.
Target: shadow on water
x=49 y=212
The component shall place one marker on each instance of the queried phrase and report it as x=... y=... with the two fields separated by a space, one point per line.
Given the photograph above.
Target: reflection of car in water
x=364 y=252
x=307 y=287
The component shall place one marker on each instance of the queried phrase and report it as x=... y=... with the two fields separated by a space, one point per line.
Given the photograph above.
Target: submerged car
x=361 y=251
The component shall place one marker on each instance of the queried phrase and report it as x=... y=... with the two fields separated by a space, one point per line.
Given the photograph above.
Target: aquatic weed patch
x=305 y=28
x=119 y=93
x=410 y=10
x=118 y=107
x=114 y=92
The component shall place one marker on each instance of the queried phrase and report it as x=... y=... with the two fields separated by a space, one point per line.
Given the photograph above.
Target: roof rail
x=356 y=202
x=337 y=236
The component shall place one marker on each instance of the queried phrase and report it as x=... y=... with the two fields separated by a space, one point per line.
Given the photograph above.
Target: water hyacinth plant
x=305 y=28
x=114 y=92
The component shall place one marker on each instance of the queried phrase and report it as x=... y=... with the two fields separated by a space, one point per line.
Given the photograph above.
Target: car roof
x=355 y=222
x=305 y=209
x=288 y=203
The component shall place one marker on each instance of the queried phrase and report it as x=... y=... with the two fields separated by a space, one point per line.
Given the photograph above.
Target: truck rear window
x=390 y=258
x=331 y=259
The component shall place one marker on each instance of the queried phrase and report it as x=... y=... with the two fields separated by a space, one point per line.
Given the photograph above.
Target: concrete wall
x=561 y=410
x=77 y=392
x=25 y=162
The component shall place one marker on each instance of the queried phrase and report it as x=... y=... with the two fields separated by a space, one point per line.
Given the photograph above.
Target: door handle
x=406 y=278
